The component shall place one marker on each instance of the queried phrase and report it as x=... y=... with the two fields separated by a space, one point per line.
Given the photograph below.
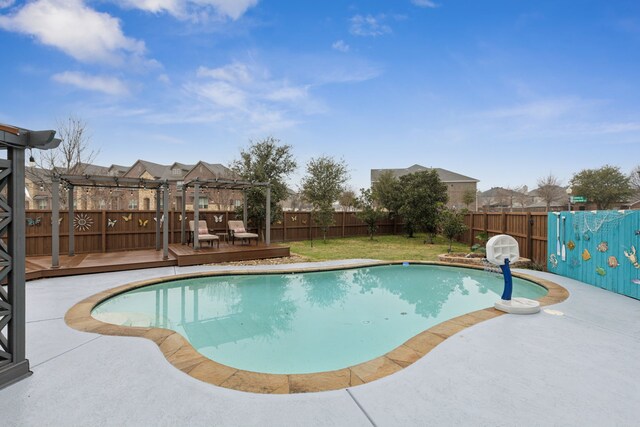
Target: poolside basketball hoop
x=501 y=251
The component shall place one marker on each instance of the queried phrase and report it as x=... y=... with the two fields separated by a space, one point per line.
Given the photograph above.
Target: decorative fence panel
x=600 y=248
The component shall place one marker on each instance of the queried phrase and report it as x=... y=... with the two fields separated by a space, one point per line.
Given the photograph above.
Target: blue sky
x=503 y=91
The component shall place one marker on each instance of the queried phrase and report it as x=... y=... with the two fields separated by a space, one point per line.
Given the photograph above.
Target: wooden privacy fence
x=528 y=228
x=110 y=231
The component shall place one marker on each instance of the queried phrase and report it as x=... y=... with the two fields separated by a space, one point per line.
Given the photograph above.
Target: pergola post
x=55 y=223
x=183 y=238
x=196 y=215
x=14 y=365
x=165 y=223
x=157 y=221
x=245 y=214
x=71 y=223
x=267 y=237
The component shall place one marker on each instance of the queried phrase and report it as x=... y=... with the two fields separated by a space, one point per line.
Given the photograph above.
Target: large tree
x=423 y=197
x=71 y=157
x=322 y=186
x=634 y=178
x=550 y=190
x=386 y=191
x=604 y=187
x=265 y=161
x=74 y=151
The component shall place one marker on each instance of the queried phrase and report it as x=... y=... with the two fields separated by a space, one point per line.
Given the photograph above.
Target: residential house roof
x=444 y=174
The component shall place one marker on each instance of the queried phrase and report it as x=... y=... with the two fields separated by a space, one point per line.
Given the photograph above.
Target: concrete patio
x=575 y=368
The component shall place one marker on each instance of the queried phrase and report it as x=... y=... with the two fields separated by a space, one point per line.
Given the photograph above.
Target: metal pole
x=71 y=222
x=268 y=217
x=165 y=223
x=55 y=223
x=245 y=214
x=183 y=238
x=157 y=219
x=196 y=215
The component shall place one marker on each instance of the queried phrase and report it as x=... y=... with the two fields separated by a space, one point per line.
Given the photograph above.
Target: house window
x=238 y=203
x=42 y=204
x=177 y=171
x=179 y=185
x=203 y=202
x=147 y=203
x=102 y=204
x=133 y=204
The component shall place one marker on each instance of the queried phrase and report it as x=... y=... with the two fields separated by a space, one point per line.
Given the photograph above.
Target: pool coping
x=179 y=352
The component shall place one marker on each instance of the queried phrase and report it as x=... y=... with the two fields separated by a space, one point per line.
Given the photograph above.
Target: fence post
x=486 y=223
x=344 y=219
x=529 y=236
x=104 y=231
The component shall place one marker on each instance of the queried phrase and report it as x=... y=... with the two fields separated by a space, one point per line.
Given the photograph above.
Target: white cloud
x=369 y=26
x=164 y=78
x=6 y=3
x=192 y=9
x=287 y=93
x=74 y=28
x=105 y=84
x=538 y=110
x=235 y=72
x=341 y=46
x=425 y=3
x=220 y=93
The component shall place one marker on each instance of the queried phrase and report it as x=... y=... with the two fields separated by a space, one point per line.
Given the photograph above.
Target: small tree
x=423 y=196
x=347 y=199
x=452 y=225
x=265 y=161
x=604 y=186
x=322 y=186
x=468 y=197
x=369 y=212
x=550 y=190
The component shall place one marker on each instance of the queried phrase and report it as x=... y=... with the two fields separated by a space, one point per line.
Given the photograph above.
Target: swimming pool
x=308 y=322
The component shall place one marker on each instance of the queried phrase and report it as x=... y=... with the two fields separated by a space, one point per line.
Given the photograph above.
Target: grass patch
x=388 y=248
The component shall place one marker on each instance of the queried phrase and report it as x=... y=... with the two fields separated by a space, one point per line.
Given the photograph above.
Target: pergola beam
x=72 y=181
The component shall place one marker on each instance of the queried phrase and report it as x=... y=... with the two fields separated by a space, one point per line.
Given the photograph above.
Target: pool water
x=309 y=322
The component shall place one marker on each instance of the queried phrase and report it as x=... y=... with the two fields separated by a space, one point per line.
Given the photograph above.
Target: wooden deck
x=179 y=255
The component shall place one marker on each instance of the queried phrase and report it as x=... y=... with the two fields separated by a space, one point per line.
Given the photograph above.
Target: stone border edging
x=179 y=352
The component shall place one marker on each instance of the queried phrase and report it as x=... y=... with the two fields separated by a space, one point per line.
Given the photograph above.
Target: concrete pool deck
x=579 y=368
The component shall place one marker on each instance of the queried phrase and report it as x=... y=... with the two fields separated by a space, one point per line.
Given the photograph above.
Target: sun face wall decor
x=82 y=222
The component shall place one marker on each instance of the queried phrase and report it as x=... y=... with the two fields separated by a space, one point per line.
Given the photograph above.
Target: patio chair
x=203 y=233
x=238 y=231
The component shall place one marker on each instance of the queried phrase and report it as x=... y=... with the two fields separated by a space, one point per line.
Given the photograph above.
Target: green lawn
x=391 y=248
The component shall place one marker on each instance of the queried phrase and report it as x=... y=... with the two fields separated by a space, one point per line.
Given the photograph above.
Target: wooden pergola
x=222 y=184
x=101 y=181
